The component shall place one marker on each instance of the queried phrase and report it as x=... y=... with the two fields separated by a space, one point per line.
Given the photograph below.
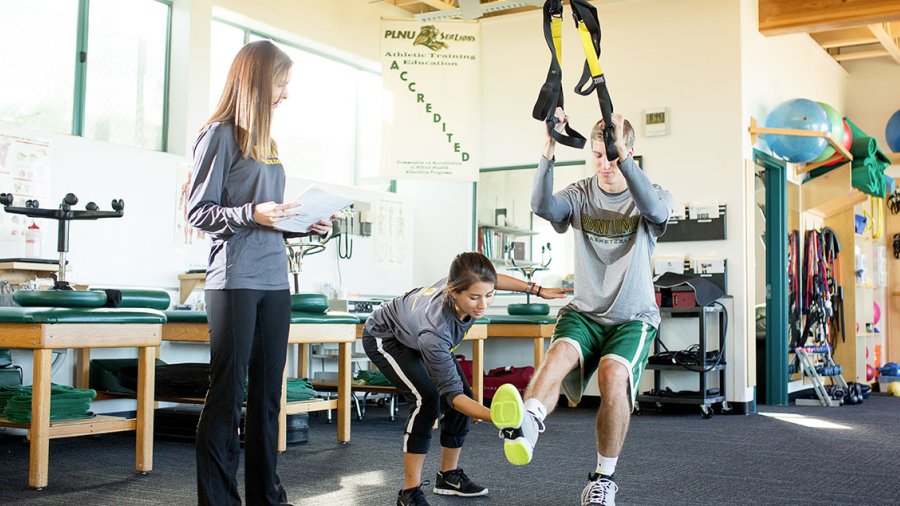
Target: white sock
x=606 y=465
x=536 y=408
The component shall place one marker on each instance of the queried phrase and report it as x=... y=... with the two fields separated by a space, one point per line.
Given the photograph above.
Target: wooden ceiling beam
x=846 y=37
x=891 y=42
x=778 y=17
x=440 y=5
x=860 y=55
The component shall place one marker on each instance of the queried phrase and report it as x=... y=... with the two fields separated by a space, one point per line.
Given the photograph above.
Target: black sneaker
x=412 y=496
x=456 y=482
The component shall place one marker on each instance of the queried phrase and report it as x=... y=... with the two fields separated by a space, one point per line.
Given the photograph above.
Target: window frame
x=79 y=94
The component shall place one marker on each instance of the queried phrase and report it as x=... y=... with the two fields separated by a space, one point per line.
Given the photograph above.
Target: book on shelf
x=497 y=245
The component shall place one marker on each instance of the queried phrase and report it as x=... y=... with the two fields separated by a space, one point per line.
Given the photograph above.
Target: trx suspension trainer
x=592 y=78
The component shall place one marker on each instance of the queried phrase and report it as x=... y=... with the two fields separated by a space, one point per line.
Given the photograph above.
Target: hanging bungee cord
x=592 y=78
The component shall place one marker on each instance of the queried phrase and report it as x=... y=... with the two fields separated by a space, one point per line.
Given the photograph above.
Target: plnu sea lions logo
x=427 y=36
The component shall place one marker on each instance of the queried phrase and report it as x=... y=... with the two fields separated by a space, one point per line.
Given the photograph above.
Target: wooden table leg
x=538 y=351
x=282 y=415
x=345 y=351
x=146 y=394
x=39 y=433
x=83 y=368
x=478 y=370
x=303 y=360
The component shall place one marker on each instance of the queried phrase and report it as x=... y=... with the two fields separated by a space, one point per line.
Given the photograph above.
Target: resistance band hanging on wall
x=592 y=78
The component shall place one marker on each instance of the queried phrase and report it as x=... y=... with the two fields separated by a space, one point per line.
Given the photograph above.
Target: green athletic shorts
x=627 y=343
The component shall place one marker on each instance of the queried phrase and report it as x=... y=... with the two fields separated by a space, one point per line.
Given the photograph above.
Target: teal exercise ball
x=798 y=114
x=892 y=132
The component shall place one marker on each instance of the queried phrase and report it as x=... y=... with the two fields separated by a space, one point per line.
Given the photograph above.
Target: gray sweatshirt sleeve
x=654 y=203
x=553 y=208
x=213 y=153
x=439 y=362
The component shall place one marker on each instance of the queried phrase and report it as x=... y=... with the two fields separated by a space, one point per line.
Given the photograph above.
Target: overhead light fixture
x=474 y=9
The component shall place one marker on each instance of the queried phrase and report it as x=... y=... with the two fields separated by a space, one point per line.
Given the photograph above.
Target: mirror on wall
x=511 y=235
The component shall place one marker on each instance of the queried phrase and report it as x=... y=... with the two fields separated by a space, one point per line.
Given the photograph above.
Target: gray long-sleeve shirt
x=425 y=320
x=615 y=238
x=225 y=186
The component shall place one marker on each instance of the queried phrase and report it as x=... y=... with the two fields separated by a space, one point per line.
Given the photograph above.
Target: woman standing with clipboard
x=238 y=182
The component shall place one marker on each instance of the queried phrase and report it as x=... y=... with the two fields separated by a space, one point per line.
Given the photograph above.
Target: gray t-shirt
x=615 y=235
x=225 y=186
x=424 y=319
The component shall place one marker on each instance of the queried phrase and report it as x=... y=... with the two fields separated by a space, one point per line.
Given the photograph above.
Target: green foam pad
x=300 y=317
x=135 y=297
x=60 y=298
x=523 y=319
x=528 y=309
x=51 y=315
x=181 y=316
x=309 y=302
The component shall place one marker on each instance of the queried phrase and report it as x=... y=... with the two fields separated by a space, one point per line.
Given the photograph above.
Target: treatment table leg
x=282 y=415
x=345 y=373
x=146 y=396
x=83 y=368
x=40 y=420
x=478 y=369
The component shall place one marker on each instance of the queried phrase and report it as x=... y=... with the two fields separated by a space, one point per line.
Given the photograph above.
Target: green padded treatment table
x=44 y=329
x=535 y=327
x=306 y=329
x=477 y=334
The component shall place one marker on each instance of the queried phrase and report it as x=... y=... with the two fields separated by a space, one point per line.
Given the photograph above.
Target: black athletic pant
x=405 y=369
x=248 y=332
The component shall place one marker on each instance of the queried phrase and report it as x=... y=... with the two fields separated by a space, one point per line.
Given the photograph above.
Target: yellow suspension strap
x=551 y=95
x=592 y=78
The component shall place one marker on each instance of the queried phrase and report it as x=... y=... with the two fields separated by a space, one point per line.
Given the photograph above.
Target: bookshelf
x=493 y=241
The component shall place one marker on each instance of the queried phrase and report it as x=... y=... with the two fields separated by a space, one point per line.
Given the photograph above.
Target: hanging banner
x=432 y=79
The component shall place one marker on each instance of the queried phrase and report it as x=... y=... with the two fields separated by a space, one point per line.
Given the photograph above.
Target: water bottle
x=33 y=241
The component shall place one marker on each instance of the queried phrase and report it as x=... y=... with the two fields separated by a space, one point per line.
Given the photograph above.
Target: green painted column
x=776 y=388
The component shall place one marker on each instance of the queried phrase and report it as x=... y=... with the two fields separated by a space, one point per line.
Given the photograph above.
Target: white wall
x=873 y=95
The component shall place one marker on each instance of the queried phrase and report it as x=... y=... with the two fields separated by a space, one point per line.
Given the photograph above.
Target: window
x=126 y=72
x=36 y=47
x=329 y=128
x=101 y=75
x=225 y=41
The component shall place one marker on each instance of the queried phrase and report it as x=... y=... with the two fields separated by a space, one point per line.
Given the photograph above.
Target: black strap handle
x=551 y=96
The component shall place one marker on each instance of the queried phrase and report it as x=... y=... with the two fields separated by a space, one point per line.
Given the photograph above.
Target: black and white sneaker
x=456 y=482
x=413 y=496
x=599 y=490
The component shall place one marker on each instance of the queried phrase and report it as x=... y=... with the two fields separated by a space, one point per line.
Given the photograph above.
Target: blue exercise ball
x=798 y=114
x=892 y=132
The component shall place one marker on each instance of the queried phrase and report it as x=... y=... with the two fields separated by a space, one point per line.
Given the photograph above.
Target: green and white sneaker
x=518 y=428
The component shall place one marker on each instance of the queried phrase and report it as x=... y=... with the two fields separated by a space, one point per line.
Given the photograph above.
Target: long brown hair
x=246 y=100
x=469 y=268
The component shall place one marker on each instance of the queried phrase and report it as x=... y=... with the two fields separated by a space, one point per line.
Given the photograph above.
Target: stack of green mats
x=66 y=403
x=374 y=378
x=298 y=389
x=867 y=168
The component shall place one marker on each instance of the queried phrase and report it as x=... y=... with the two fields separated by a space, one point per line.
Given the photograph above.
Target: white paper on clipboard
x=316 y=204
